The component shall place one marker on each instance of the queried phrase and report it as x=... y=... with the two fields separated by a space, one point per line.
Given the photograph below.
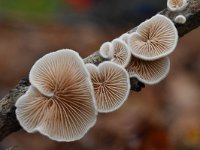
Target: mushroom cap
x=154 y=38
x=60 y=102
x=149 y=72
x=177 y=5
x=111 y=85
x=106 y=50
x=180 y=19
x=121 y=53
x=124 y=37
x=31 y=109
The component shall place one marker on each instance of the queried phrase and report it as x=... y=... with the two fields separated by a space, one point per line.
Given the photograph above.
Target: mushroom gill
x=121 y=53
x=154 y=38
x=177 y=5
x=149 y=72
x=111 y=85
x=60 y=102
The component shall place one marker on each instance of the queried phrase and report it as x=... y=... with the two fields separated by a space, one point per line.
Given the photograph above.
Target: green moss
x=30 y=8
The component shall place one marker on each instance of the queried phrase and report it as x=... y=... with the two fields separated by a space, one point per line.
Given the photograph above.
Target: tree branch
x=8 y=121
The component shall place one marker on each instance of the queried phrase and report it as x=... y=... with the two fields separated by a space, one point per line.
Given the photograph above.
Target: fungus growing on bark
x=121 y=53
x=177 y=5
x=149 y=72
x=60 y=102
x=154 y=38
x=111 y=85
x=180 y=19
x=106 y=50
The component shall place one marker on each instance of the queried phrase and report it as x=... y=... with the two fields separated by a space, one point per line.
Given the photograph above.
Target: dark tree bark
x=8 y=121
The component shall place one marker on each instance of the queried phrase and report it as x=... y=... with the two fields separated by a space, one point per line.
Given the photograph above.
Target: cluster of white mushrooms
x=66 y=95
x=144 y=53
x=178 y=6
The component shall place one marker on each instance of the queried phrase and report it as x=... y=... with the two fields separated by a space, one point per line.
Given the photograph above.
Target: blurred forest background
x=161 y=117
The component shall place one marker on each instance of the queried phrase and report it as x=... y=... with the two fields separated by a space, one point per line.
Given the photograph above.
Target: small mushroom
x=60 y=102
x=180 y=19
x=149 y=72
x=154 y=38
x=121 y=53
x=111 y=85
x=177 y=5
x=106 y=50
x=124 y=37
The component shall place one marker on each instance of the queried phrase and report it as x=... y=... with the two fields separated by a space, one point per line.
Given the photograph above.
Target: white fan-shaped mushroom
x=124 y=37
x=60 y=103
x=180 y=19
x=121 y=53
x=111 y=85
x=177 y=5
x=149 y=72
x=155 y=38
x=106 y=50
